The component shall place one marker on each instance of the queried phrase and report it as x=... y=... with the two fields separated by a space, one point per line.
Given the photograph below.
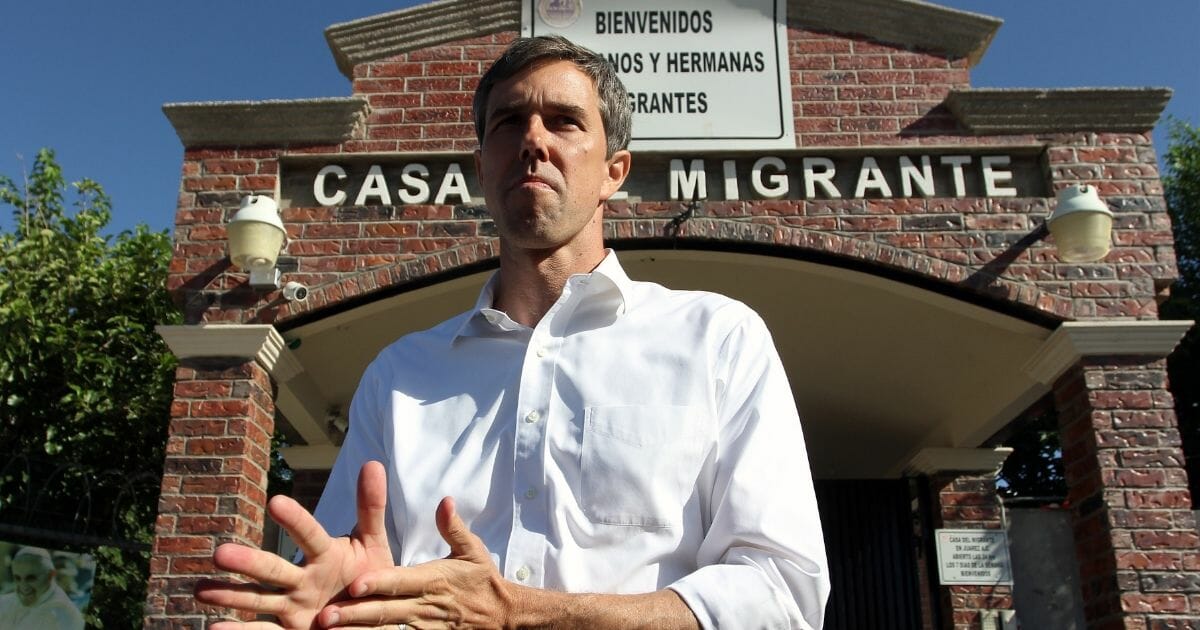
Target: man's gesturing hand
x=463 y=590
x=295 y=594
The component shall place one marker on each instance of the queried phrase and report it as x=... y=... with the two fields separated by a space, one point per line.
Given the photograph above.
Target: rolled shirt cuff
x=736 y=596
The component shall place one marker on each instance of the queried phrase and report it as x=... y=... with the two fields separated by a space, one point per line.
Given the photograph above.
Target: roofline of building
x=909 y=24
x=422 y=26
x=267 y=123
x=981 y=111
x=1002 y=111
x=906 y=23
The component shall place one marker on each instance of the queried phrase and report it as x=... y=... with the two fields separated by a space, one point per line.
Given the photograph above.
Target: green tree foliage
x=1034 y=469
x=1181 y=187
x=85 y=383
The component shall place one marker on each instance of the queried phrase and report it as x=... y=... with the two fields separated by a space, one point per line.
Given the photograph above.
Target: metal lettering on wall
x=882 y=174
x=701 y=74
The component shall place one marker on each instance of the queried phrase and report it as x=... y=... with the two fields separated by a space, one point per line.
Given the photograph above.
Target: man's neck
x=531 y=281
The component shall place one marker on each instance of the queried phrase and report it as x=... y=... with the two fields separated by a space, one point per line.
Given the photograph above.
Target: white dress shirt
x=635 y=439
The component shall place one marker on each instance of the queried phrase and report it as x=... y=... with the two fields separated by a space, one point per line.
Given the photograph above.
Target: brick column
x=307 y=486
x=962 y=482
x=214 y=486
x=1135 y=535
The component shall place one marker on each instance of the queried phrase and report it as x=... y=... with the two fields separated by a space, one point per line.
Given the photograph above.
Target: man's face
x=542 y=162
x=31 y=579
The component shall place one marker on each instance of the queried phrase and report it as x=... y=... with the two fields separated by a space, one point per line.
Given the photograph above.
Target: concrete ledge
x=260 y=342
x=267 y=123
x=933 y=460
x=297 y=398
x=390 y=34
x=1075 y=340
x=990 y=111
x=907 y=23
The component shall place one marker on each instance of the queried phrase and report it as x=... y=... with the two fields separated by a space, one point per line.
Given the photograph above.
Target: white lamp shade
x=1081 y=225
x=256 y=234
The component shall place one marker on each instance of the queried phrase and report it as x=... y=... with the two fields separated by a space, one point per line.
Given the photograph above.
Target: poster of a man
x=37 y=602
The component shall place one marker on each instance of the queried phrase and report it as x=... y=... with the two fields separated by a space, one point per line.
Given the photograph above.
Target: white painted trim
x=1075 y=340
x=932 y=460
x=247 y=341
x=297 y=397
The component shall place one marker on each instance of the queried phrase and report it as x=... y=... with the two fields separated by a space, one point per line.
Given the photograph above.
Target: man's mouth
x=533 y=181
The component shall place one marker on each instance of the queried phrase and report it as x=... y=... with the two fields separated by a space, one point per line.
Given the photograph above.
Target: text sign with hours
x=973 y=556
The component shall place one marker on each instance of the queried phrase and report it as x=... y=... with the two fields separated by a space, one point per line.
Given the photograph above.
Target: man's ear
x=478 y=169
x=618 y=170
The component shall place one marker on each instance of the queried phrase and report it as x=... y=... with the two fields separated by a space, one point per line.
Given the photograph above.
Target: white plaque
x=701 y=74
x=973 y=556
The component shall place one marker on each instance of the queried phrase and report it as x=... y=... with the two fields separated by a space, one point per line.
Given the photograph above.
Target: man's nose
x=533 y=144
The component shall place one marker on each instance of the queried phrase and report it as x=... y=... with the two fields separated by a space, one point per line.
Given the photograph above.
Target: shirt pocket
x=640 y=463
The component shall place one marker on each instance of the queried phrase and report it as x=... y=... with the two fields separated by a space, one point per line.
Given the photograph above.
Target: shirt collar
x=607 y=281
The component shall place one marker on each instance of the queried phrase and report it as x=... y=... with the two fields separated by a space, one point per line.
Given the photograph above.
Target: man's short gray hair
x=526 y=52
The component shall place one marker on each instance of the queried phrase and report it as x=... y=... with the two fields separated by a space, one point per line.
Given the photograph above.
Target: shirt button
x=533 y=416
x=523 y=574
x=531 y=493
x=541 y=352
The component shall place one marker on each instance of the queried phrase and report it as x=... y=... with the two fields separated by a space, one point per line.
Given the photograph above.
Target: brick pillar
x=1135 y=535
x=967 y=500
x=307 y=486
x=214 y=486
x=962 y=487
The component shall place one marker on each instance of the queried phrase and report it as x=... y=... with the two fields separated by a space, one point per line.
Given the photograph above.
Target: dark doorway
x=869 y=539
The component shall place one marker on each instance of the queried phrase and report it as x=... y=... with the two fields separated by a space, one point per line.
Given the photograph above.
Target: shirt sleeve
x=763 y=559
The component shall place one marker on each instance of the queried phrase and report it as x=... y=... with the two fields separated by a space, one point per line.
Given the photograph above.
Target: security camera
x=294 y=291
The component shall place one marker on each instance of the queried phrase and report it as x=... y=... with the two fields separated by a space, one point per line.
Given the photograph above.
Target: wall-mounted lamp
x=1081 y=224
x=255 y=237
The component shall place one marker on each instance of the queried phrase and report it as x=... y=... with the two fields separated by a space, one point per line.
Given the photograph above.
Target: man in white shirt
x=620 y=455
x=37 y=602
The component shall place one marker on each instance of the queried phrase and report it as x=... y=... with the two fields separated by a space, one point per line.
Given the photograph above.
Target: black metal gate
x=871 y=546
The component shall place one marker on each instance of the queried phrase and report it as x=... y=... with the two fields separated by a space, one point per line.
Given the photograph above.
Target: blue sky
x=88 y=79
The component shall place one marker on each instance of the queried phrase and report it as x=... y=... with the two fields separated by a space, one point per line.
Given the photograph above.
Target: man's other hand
x=462 y=590
x=296 y=594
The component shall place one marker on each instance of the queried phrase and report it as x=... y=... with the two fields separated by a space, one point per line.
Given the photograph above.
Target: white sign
x=701 y=74
x=973 y=556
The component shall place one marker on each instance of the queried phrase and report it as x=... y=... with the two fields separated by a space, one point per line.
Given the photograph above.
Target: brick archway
x=944 y=276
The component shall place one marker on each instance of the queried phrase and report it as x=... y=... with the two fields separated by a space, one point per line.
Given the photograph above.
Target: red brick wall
x=968 y=501
x=214 y=485
x=1135 y=535
x=847 y=93
x=307 y=486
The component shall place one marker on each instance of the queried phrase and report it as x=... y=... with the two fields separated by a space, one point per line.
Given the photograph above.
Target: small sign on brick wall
x=973 y=556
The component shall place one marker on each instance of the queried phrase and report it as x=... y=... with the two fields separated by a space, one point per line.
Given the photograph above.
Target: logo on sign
x=559 y=13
